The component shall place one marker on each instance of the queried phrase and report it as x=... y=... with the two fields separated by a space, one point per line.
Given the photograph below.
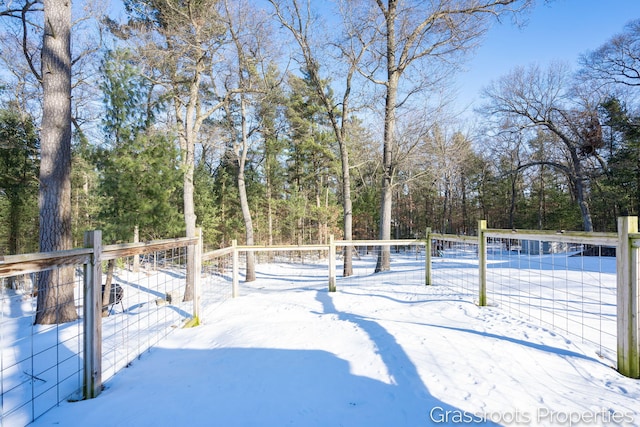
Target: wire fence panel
x=455 y=264
x=303 y=269
x=40 y=365
x=217 y=277
x=570 y=288
x=407 y=263
x=151 y=306
x=567 y=287
x=567 y=282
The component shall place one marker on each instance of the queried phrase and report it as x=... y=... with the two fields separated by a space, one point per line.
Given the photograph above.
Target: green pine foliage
x=139 y=167
x=19 y=162
x=207 y=210
x=139 y=186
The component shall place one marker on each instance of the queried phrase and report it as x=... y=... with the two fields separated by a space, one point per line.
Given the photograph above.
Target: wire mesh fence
x=570 y=288
x=454 y=263
x=303 y=268
x=568 y=283
x=149 y=307
x=40 y=365
x=217 y=277
x=406 y=261
x=567 y=287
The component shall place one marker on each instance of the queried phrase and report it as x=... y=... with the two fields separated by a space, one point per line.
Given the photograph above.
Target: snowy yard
x=381 y=351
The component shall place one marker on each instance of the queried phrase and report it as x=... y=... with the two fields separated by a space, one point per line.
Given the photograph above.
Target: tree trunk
x=269 y=204
x=250 y=273
x=191 y=127
x=189 y=217
x=541 y=202
x=15 y=215
x=512 y=202
x=463 y=188
x=347 y=268
x=580 y=193
x=15 y=211
x=384 y=256
x=56 y=288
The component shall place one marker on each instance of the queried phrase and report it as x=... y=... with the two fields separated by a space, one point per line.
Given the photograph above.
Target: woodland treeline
x=283 y=121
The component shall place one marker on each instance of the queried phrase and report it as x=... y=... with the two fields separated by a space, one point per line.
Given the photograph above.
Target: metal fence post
x=332 y=264
x=628 y=312
x=427 y=257
x=482 y=263
x=235 y=269
x=92 y=320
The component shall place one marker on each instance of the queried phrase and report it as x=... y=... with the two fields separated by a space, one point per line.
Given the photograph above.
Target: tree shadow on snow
x=256 y=387
x=419 y=407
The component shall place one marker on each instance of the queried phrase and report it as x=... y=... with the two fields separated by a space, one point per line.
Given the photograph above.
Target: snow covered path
x=291 y=353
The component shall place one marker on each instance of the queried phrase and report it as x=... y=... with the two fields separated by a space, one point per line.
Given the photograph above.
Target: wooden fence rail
x=626 y=241
x=91 y=258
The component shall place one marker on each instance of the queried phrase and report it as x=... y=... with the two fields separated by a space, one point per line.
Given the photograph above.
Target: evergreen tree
x=312 y=161
x=19 y=163
x=140 y=171
x=623 y=178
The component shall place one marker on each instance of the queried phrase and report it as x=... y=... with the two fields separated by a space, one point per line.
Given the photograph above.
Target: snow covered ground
x=383 y=350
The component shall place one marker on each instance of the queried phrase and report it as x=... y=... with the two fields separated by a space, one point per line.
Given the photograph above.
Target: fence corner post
x=332 y=264
x=197 y=277
x=628 y=310
x=427 y=257
x=235 y=269
x=92 y=317
x=482 y=263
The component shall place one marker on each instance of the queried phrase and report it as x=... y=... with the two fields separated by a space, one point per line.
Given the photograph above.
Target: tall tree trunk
x=541 y=202
x=56 y=288
x=190 y=127
x=512 y=203
x=445 y=206
x=189 y=216
x=347 y=209
x=250 y=274
x=393 y=76
x=463 y=188
x=320 y=225
x=269 y=204
x=15 y=214
x=580 y=192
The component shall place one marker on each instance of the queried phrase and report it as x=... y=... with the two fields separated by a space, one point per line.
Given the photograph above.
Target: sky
x=555 y=30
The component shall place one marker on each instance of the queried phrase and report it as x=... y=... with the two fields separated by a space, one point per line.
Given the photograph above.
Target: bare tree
x=412 y=33
x=617 y=61
x=448 y=152
x=298 y=18
x=247 y=32
x=547 y=101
